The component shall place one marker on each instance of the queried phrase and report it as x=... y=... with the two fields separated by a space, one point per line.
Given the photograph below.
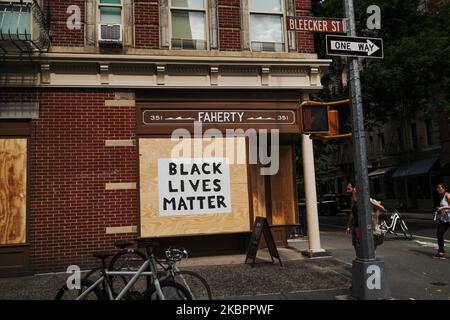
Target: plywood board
x=13 y=185
x=283 y=189
x=157 y=222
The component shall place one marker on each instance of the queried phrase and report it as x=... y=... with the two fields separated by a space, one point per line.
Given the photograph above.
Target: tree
x=414 y=74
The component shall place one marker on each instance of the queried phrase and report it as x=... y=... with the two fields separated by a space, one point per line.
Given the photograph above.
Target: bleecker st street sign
x=354 y=46
x=312 y=24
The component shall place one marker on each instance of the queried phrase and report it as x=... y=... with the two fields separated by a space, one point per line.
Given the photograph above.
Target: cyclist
x=444 y=219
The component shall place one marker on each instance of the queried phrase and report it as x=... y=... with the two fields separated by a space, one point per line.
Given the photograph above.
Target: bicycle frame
x=136 y=274
x=394 y=218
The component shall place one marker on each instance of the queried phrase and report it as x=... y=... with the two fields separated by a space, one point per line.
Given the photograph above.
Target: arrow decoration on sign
x=354 y=46
x=369 y=47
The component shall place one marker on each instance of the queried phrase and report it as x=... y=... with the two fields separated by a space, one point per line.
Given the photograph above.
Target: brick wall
x=146 y=15
x=69 y=167
x=62 y=36
x=305 y=40
x=229 y=19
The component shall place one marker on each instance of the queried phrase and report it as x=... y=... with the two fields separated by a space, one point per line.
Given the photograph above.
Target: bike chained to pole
x=133 y=275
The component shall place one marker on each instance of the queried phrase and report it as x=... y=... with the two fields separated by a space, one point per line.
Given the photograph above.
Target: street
x=411 y=271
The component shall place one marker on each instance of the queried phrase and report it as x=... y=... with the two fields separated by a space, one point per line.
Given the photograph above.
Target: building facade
x=91 y=94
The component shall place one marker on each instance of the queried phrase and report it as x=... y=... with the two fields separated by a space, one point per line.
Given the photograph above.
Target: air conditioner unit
x=110 y=33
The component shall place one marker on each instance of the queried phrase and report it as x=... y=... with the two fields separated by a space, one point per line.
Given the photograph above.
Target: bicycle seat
x=102 y=255
x=122 y=244
x=147 y=243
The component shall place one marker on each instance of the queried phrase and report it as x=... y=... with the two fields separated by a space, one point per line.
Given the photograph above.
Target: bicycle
x=129 y=259
x=198 y=287
x=159 y=290
x=394 y=217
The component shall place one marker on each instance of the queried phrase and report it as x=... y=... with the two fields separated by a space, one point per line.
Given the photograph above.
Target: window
x=381 y=141
x=188 y=24
x=429 y=128
x=110 y=11
x=400 y=139
x=415 y=142
x=15 y=20
x=266 y=25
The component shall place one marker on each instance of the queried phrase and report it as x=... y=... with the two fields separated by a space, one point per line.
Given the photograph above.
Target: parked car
x=326 y=204
x=344 y=202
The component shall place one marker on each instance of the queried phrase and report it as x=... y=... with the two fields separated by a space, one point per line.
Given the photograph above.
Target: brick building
x=91 y=91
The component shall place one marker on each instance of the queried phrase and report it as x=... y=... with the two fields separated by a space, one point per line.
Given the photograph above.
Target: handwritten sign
x=194 y=186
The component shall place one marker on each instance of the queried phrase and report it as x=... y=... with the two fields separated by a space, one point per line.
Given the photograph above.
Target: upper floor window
x=110 y=11
x=429 y=131
x=15 y=20
x=188 y=24
x=110 y=28
x=414 y=138
x=266 y=25
x=381 y=142
x=400 y=139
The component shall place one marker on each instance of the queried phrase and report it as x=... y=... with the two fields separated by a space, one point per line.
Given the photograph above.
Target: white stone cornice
x=175 y=59
x=171 y=72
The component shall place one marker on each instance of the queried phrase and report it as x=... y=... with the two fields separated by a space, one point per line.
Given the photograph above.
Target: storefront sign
x=312 y=24
x=247 y=117
x=194 y=186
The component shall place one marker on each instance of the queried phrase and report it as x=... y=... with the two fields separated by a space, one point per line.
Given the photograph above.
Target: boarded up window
x=193 y=195
x=13 y=184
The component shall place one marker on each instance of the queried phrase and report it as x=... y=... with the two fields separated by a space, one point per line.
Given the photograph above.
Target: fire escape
x=23 y=28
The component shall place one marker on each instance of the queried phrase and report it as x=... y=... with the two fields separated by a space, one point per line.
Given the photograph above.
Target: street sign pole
x=368 y=274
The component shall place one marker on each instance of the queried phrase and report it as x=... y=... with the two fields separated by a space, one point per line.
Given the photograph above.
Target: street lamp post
x=368 y=274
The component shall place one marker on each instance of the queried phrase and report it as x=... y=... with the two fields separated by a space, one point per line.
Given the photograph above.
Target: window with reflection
x=188 y=24
x=266 y=25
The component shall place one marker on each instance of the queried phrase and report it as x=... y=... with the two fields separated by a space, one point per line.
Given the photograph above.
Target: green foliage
x=414 y=74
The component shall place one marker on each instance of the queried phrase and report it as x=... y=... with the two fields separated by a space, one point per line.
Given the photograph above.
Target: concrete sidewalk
x=229 y=278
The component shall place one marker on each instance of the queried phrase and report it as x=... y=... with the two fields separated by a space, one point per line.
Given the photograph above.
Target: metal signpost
x=368 y=274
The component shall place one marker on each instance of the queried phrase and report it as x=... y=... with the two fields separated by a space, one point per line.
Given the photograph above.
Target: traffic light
x=320 y=121
x=315 y=119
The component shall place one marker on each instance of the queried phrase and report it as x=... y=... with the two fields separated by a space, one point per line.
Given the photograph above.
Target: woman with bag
x=443 y=212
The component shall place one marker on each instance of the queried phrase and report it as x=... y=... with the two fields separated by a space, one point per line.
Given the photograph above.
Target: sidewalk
x=229 y=278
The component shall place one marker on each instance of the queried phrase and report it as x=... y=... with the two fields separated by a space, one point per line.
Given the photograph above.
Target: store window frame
x=183 y=44
x=269 y=44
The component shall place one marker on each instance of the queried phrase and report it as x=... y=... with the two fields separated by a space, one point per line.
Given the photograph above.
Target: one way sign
x=354 y=46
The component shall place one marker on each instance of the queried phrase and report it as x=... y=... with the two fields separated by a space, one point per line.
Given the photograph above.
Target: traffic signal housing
x=319 y=120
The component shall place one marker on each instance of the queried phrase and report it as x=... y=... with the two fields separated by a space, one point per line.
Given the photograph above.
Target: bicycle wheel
x=64 y=293
x=128 y=260
x=171 y=290
x=195 y=283
x=405 y=230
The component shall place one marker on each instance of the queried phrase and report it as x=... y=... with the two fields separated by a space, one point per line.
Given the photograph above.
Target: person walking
x=352 y=223
x=444 y=219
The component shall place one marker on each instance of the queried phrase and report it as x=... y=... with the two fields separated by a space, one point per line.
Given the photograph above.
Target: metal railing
x=23 y=27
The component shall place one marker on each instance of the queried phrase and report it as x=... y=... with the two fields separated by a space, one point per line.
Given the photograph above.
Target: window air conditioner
x=110 y=33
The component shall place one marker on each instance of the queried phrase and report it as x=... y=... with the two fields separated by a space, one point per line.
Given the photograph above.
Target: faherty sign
x=194 y=186
x=250 y=117
x=312 y=24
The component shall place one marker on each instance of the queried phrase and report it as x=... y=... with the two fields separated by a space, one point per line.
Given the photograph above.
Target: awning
x=416 y=168
x=380 y=171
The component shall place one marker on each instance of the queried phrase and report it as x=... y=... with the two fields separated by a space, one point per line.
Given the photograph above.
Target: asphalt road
x=412 y=272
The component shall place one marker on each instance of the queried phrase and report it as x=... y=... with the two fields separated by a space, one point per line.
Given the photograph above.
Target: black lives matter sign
x=194 y=186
